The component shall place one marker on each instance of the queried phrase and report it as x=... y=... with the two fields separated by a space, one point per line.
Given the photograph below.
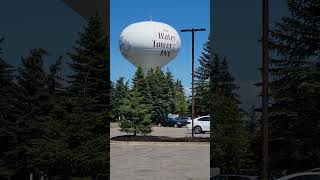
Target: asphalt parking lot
x=161 y=161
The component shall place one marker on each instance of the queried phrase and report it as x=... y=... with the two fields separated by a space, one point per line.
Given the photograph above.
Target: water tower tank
x=149 y=44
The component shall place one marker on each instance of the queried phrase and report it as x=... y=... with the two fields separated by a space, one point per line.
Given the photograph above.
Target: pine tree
x=140 y=84
x=90 y=66
x=49 y=150
x=181 y=103
x=137 y=119
x=202 y=78
x=88 y=107
x=179 y=86
x=159 y=93
x=228 y=86
x=294 y=87
x=7 y=115
x=229 y=141
x=119 y=93
x=32 y=107
x=169 y=91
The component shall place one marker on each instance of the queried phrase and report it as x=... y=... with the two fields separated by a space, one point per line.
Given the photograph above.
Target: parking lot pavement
x=159 y=162
x=160 y=131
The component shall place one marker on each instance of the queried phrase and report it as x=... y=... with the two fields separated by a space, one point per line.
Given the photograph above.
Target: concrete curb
x=161 y=143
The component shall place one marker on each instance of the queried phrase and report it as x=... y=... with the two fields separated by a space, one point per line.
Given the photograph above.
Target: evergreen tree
x=90 y=66
x=86 y=122
x=229 y=142
x=140 y=84
x=294 y=87
x=229 y=139
x=7 y=115
x=179 y=86
x=159 y=93
x=137 y=120
x=181 y=103
x=228 y=86
x=119 y=93
x=202 y=78
x=50 y=152
x=169 y=91
x=222 y=81
x=32 y=106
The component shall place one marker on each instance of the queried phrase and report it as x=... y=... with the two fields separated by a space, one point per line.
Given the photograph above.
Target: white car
x=200 y=124
x=302 y=176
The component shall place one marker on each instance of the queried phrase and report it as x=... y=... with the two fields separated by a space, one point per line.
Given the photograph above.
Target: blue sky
x=172 y=12
x=237 y=27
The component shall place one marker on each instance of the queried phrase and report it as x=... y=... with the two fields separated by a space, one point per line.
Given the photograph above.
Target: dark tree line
x=54 y=126
x=294 y=87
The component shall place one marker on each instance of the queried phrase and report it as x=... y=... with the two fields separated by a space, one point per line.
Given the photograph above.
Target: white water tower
x=149 y=44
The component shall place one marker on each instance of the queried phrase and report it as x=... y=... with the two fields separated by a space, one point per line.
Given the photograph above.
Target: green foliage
x=229 y=142
x=46 y=127
x=294 y=87
x=217 y=94
x=118 y=95
x=202 y=78
x=137 y=120
x=88 y=101
x=160 y=92
x=181 y=104
x=7 y=116
x=222 y=81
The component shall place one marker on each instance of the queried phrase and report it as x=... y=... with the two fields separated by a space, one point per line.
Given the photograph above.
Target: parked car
x=302 y=176
x=173 y=122
x=200 y=124
x=234 y=177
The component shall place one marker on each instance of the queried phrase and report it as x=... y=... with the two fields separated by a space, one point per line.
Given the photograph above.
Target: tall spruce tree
x=32 y=106
x=135 y=106
x=140 y=84
x=181 y=104
x=119 y=93
x=202 y=78
x=169 y=91
x=7 y=116
x=294 y=114
x=88 y=106
x=159 y=93
x=230 y=141
x=136 y=111
x=50 y=152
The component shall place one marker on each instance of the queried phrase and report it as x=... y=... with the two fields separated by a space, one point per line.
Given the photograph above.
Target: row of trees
x=150 y=97
x=53 y=126
x=158 y=90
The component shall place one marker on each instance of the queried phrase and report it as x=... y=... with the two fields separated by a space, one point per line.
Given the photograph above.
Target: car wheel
x=175 y=125
x=197 y=129
x=159 y=125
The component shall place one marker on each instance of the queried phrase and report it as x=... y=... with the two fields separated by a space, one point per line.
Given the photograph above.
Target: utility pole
x=265 y=79
x=192 y=101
